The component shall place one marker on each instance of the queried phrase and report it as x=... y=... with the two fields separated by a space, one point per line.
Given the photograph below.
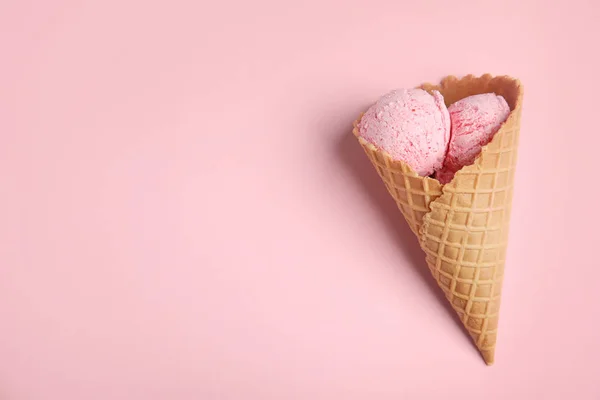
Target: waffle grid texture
x=463 y=226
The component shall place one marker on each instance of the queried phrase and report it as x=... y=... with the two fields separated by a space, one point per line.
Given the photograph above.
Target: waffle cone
x=463 y=226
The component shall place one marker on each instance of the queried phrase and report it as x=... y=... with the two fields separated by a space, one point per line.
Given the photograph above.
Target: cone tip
x=488 y=356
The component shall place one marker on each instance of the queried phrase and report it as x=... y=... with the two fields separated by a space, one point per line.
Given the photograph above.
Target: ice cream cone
x=463 y=226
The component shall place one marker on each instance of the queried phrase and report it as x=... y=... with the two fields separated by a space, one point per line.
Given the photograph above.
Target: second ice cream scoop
x=475 y=120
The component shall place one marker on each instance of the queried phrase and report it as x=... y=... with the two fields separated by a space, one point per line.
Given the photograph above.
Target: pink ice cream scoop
x=411 y=125
x=475 y=120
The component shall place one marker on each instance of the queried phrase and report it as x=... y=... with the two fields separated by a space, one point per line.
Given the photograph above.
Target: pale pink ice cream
x=475 y=120
x=411 y=125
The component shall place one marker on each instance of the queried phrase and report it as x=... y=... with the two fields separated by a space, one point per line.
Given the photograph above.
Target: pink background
x=185 y=215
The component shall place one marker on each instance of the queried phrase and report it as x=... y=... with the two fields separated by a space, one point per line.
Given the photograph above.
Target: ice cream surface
x=475 y=120
x=411 y=125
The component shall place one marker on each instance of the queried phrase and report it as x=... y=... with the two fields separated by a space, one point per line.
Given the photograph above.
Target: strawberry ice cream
x=475 y=120
x=410 y=125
